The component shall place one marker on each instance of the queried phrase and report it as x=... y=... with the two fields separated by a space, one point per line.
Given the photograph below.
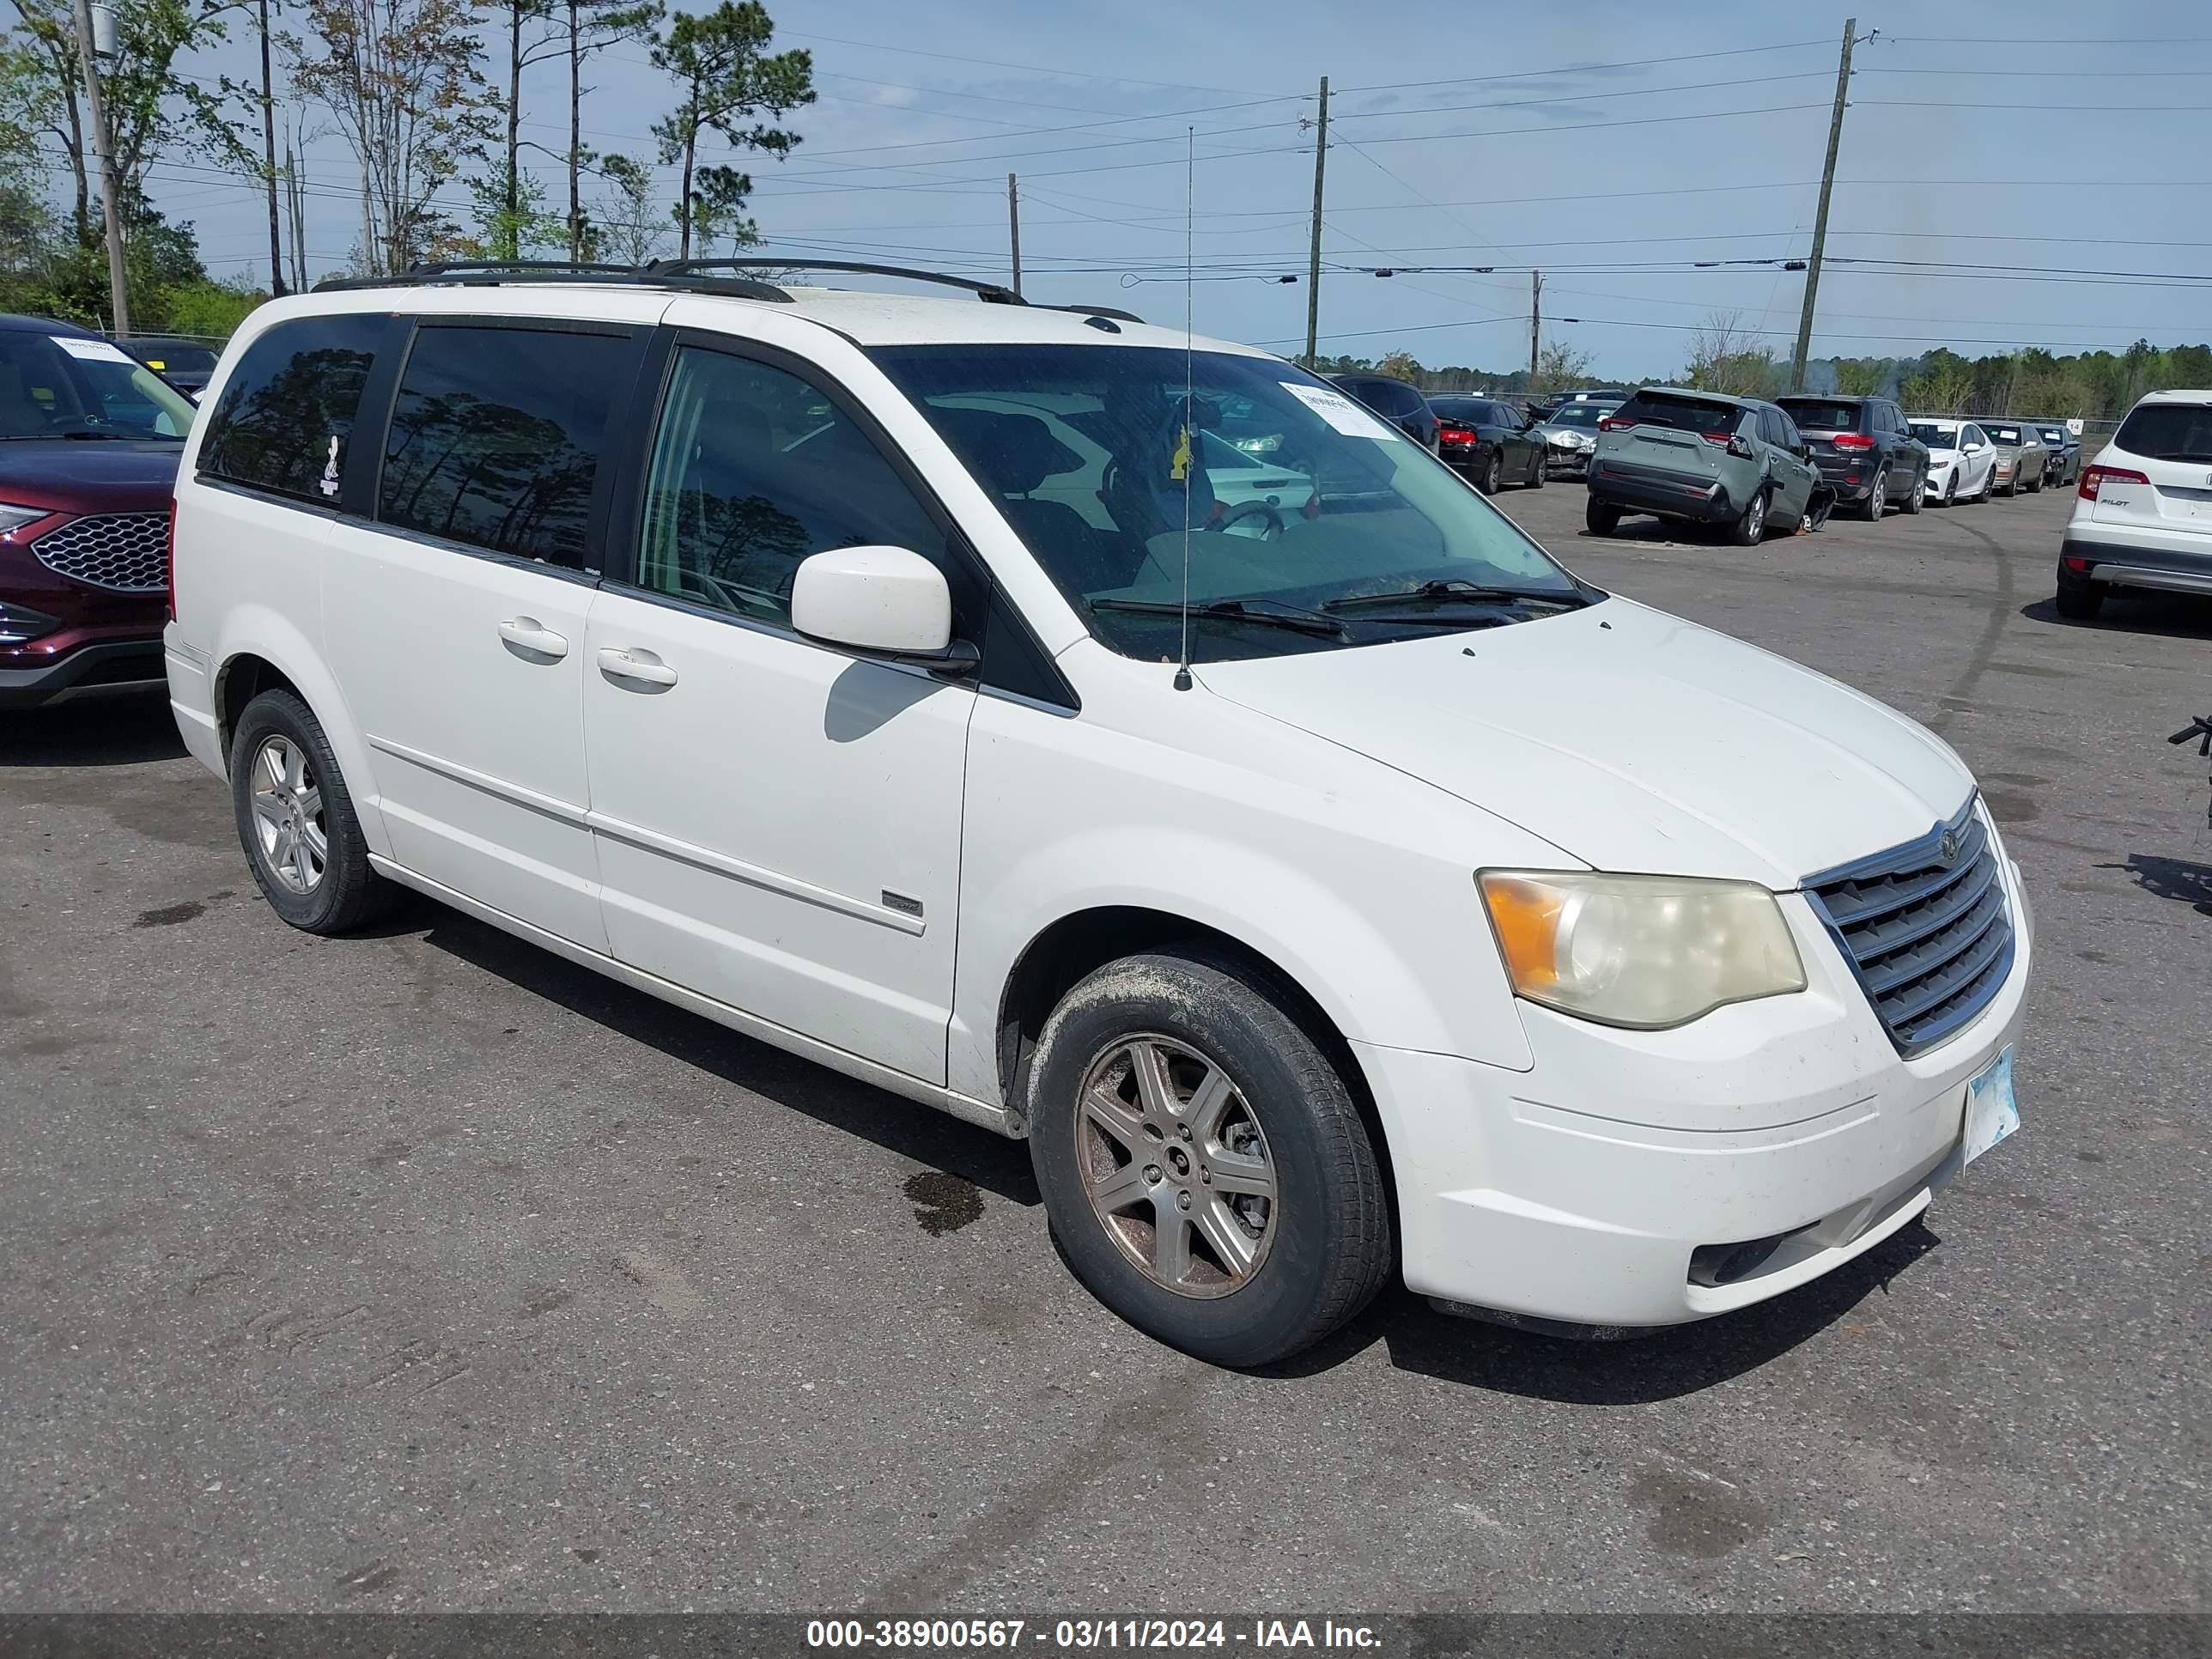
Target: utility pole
x=1535 y=323
x=268 y=162
x=1014 y=228
x=1313 y=260
x=103 y=149
x=1821 y=218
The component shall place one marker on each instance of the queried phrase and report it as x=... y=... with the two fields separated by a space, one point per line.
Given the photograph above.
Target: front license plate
x=1991 y=1113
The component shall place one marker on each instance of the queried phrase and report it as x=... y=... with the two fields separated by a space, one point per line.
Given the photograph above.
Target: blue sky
x=1545 y=132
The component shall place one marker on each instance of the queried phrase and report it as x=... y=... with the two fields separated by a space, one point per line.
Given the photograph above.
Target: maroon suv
x=88 y=446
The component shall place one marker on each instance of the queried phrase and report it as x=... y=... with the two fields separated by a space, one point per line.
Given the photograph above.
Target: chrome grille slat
x=1930 y=940
x=126 y=552
x=1871 y=897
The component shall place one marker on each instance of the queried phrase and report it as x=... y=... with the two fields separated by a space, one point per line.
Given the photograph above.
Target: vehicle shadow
x=2171 y=879
x=122 y=729
x=997 y=1165
x=2167 y=615
x=1682 y=1360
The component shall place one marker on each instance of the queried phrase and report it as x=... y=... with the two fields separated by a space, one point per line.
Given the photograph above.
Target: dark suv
x=1396 y=401
x=1865 y=450
x=88 y=446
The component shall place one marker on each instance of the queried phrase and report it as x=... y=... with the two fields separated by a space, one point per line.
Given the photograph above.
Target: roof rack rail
x=1114 y=312
x=989 y=293
x=490 y=273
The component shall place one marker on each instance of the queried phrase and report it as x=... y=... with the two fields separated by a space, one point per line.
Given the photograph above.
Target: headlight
x=15 y=518
x=1646 y=951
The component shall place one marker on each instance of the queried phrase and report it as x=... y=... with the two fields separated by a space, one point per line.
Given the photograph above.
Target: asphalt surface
x=424 y=1271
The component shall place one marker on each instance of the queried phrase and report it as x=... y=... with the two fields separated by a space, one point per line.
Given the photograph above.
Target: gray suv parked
x=1705 y=458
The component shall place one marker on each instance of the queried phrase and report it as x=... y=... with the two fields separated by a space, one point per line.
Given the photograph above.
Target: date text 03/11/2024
x=980 y=1635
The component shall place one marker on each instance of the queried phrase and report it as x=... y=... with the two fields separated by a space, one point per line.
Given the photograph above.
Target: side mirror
x=885 y=601
x=1973 y=448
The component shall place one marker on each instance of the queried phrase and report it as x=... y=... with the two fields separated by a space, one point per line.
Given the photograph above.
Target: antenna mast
x=1189 y=426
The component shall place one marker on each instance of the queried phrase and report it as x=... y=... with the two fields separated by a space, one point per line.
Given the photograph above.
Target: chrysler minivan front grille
x=1925 y=926
x=126 y=551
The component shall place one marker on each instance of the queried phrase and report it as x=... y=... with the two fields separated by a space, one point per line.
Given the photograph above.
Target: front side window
x=1361 y=535
x=495 y=437
x=754 y=471
x=287 y=412
x=68 y=386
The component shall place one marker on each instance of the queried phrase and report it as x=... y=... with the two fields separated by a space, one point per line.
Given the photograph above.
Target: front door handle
x=640 y=665
x=528 y=634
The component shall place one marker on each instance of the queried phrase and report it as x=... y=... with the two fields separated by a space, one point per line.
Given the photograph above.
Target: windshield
x=2003 y=434
x=2052 y=434
x=63 y=385
x=1082 y=447
x=1935 y=437
x=1582 y=414
x=178 y=359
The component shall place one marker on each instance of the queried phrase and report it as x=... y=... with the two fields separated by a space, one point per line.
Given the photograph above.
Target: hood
x=96 y=475
x=1628 y=738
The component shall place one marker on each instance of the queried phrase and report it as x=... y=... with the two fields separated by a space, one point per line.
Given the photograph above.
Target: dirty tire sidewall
x=1332 y=1249
x=350 y=893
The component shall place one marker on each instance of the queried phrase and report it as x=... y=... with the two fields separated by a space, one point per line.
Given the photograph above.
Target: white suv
x=1336 y=891
x=2142 y=512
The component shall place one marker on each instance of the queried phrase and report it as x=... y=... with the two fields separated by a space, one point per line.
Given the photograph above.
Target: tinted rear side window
x=287 y=412
x=495 y=437
x=2168 y=432
x=1673 y=409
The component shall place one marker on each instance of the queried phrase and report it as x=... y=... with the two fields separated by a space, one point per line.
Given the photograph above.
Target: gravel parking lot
x=423 y=1270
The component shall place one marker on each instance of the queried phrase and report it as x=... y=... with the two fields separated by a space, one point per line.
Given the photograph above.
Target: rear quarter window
x=287 y=413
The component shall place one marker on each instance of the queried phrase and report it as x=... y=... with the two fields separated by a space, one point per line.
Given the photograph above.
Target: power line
x=1588 y=69
x=1029 y=69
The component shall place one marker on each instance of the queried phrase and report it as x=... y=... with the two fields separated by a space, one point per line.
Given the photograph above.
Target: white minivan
x=1327 y=892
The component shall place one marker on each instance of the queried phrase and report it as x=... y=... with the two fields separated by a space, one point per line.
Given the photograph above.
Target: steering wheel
x=1255 y=521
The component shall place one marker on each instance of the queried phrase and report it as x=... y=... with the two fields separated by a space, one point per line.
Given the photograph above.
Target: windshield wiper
x=1457 y=592
x=1301 y=622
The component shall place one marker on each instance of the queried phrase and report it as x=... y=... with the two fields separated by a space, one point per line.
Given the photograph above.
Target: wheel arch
x=262 y=650
x=1074 y=945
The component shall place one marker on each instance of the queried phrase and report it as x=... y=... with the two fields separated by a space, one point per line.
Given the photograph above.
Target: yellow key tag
x=1180 y=470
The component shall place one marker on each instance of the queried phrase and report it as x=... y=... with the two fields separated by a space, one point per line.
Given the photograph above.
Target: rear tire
x=1602 y=518
x=1750 y=527
x=1913 y=502
x=297 y=823
x=1141 y=1177
x=1877 y=499
x=1493 y=474
x=2079 y=600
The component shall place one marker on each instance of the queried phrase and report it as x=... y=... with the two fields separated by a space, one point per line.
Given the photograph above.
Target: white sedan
x=1961 y=461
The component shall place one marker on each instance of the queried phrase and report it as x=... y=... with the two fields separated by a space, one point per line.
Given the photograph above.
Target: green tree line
x=427 y=98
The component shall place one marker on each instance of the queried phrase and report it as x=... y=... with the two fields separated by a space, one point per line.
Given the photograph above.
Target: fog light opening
x=1715 y=1265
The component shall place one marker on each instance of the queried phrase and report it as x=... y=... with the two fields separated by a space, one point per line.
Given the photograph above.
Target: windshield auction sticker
x=1340 y=411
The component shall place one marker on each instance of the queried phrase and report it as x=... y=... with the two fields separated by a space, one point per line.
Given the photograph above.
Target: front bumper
x=1567 y=463
x=1670 y=494
x=31 y=679
x=1577 y=1192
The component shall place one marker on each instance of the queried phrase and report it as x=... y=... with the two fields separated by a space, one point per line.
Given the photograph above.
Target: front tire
x=1601 y=517
x=1205 y=1169
x=297 y=823
x=1537 y=463
x=1951 y=490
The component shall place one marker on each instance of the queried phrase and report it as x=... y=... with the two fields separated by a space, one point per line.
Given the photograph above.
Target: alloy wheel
x=287 y=815
x=1176 y=1165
